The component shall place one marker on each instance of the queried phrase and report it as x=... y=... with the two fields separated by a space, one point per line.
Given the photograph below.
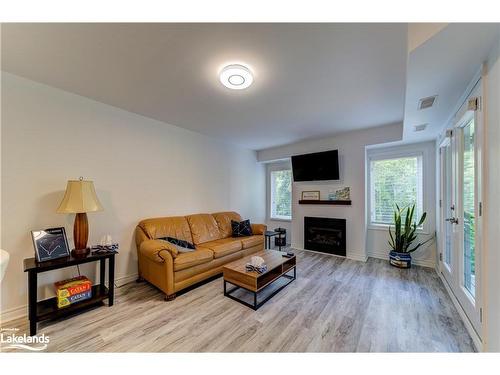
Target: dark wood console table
x=47 y=309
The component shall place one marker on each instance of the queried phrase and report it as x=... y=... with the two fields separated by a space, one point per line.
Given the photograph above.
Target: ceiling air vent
x=419 y=128
x=428 y=102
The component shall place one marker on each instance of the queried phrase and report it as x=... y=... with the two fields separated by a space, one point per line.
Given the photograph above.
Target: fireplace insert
x=326 y=235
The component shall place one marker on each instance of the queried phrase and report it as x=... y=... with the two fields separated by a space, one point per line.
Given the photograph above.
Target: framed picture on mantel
x=310 y=195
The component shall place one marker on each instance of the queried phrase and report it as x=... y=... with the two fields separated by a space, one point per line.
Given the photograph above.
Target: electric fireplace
x=326 y=235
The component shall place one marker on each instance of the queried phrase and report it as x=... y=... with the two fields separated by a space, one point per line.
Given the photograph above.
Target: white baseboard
x=22 y=311
x=120 y=281
x=357 y=256
x=417 y=262
x=468 y=325
x=352 y=256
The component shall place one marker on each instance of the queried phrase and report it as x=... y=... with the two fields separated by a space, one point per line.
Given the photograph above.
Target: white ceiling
x=311 y=80
x=444 y=65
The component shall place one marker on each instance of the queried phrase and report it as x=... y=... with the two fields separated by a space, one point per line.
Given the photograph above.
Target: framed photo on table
x=50 y=244
x=310 y=195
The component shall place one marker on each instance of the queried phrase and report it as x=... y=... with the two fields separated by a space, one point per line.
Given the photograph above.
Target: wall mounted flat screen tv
x=316 y=167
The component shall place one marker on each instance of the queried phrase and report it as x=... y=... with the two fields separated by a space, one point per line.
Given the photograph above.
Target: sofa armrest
x=153 y=249
x=258 y=228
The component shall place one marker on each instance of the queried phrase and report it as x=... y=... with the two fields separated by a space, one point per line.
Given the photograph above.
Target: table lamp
x=80 y=198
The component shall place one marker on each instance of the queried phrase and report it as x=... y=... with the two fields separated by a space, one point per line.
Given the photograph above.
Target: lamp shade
x=79 y=197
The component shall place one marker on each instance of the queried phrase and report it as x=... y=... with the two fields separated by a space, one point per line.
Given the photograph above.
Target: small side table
x=269 y=234
x=47 y=309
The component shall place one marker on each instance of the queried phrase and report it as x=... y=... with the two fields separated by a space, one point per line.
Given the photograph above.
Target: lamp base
x=80 y=253
x=81 y=231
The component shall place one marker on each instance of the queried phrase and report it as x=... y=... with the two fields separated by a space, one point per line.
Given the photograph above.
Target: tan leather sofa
x=161 y=264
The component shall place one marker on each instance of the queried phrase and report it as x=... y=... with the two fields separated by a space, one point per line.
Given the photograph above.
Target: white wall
x=140 y=167
x=1 y=152
x=376 y=239
x=491 y=264
x=351 y=148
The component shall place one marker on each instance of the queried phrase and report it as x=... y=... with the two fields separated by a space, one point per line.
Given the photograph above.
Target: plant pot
x=400 y=260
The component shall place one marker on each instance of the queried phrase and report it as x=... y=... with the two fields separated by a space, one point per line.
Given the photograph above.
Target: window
x=281 y=194
x=396 y=180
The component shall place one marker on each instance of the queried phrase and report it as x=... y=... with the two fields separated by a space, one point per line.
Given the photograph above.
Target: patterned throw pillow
x=241 y=229
x=181 y=245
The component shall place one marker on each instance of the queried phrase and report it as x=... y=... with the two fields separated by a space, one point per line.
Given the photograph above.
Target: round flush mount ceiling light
x=236 y=77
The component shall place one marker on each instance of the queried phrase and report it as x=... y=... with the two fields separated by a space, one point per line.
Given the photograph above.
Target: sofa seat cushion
x=192 y=258
x=223 y=247
x=251 y=241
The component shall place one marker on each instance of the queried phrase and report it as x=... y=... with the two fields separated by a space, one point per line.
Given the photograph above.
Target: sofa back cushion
x=203 y=228
x=160 y=227
x=223 y=220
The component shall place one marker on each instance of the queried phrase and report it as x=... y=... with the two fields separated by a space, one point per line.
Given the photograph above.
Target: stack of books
x=73 y=290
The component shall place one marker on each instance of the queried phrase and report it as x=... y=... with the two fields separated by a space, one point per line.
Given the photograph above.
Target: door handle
x=452 y=220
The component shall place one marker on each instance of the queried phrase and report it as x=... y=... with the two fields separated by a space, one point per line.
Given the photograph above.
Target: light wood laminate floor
x=335 y=305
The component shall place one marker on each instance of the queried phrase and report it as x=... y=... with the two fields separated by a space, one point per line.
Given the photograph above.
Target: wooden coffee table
x=277 y=266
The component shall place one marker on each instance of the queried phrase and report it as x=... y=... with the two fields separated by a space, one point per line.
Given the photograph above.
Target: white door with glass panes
x=460 y=255
x=447 y=208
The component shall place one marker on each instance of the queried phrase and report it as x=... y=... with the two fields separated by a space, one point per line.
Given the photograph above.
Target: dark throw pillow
x=181 y=245
x=241 y=228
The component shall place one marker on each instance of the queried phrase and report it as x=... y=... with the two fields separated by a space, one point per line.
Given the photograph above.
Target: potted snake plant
x=402 y=239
